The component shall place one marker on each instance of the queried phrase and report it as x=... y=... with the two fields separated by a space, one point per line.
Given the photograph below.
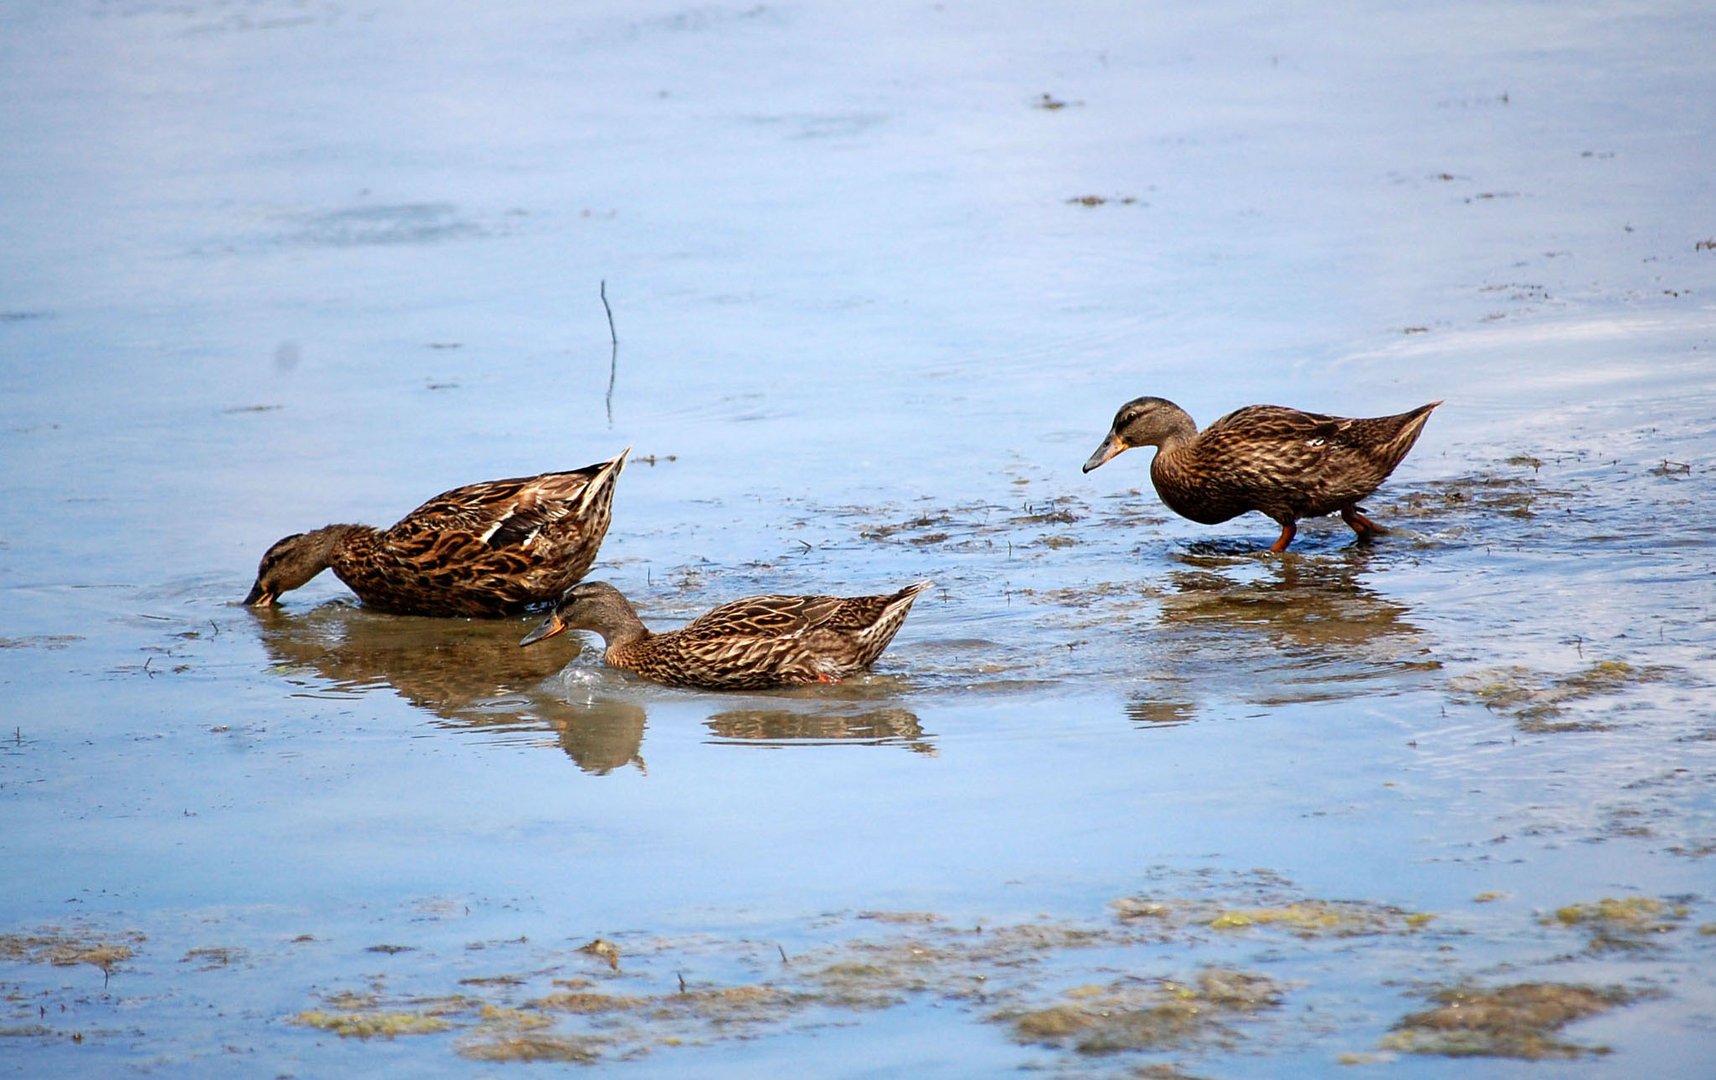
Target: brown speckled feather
x=749 y=644
x=490 y=549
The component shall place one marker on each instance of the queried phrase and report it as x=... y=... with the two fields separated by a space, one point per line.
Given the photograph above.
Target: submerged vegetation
x=1142 y=1015
x=1100 y=993
x=1629 y=923
x=372 y=1024
x=1537 y=700
x=68 y=948
x=1515 y=1021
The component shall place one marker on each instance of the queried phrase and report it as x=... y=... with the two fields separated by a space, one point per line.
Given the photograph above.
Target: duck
x=757 y=643
x=489 y=550
x=1282 y=462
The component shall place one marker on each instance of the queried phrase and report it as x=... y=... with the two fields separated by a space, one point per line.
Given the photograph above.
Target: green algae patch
x=1129 y=1015
x=1536 y=700
x=1261 y=902
x=534 y=1046
x=372 y=1025
x=513 y=1019
x=587 y=1002
x=1618 y=924
x=877 y=975
x=354 y=1015
x=1325 y=918
x=727 y=1006
x=67 y=948
x=1516 y=1021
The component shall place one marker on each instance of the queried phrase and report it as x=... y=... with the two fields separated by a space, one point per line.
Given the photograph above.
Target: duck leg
x=1288 y=531
x=1363 y=526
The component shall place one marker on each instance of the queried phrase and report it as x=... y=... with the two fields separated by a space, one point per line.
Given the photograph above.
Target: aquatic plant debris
x=1305 y=918
x=68 y=948
x=1140 y=1015
x=1313 y=918
x=1514 y=1021
x=1031 y=976
x=372 y=1025
x=1618 y=924
x=603 y=950
x=532 y=1046
x=1536 y=699
x=1466 y=501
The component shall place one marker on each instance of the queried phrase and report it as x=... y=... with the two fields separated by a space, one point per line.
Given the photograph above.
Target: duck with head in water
x=492 y=549
x=750 y=644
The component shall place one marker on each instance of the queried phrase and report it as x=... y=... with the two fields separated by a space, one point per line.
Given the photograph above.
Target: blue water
x=273 y=265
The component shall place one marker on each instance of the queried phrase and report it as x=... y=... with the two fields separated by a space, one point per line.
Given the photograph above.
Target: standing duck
x=1281 y=462
x=749 y=644
x=485 y=550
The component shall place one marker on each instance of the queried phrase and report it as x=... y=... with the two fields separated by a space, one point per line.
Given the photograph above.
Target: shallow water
x=879 y=280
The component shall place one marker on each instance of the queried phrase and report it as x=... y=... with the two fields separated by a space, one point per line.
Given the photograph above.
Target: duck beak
x=552 y=625
x=258 y=596
x=1111 y=446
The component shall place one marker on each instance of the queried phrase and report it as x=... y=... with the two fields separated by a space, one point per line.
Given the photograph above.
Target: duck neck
x=334 y=545
x=620 y=627
x=1175 y=430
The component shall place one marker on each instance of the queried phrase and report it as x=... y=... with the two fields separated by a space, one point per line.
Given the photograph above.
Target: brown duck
x=749 y=644
x=1281 y=462
x=486 y=550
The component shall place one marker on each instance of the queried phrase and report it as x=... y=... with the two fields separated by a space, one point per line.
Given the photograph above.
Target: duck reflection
x=470 y=675
x=601 y=736
x=777 y=727
x=1278 y=630
x=1158 y=713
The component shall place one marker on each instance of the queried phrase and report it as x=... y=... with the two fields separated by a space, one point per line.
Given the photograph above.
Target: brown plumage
x=1282 y=462
x=486 y=550
x=749 y=644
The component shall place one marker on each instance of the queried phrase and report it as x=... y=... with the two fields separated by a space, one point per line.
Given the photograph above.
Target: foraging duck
x=749 y=644
x=485 y=550
x=1282 y=462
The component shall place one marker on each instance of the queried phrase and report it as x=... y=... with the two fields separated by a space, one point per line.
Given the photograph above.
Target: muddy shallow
x=1125 y=798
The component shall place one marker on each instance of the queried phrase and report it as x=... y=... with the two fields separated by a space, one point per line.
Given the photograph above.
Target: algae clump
x=1130 y=1016
x=372 y=1025
x=535 y=1046
x=1318 y=918
x=1516 y=1021
x=1624 y=923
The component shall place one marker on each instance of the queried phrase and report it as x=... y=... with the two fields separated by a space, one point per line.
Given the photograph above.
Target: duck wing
x=499 y=513
x=1286 y=461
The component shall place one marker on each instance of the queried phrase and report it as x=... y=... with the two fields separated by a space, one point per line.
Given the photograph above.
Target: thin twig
x=612 y=336
x=613 y=352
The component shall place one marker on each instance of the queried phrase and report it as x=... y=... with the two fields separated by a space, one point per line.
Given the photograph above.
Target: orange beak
x=550 y=626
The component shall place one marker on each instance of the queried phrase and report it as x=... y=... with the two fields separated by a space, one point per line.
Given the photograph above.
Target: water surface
x=879 y=278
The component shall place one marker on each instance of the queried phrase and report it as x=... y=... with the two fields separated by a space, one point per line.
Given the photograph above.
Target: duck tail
x=1411 y=425
x=603 y=480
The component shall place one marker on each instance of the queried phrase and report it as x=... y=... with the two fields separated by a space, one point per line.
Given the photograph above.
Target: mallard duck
x=1282 y=462
x=486 y=550
x=749 y=644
